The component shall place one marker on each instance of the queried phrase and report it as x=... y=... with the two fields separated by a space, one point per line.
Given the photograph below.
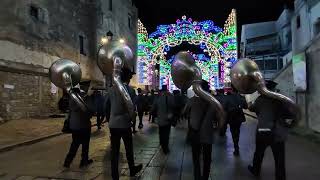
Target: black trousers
x=116 y=135
x=151 y=116
x=100 y=118
x=140 y=115
x=134 y=122
x=79 y=137
x=278 y=150
x=206 y=149
x=223 y=130
x=164 y=135
x=235 y=133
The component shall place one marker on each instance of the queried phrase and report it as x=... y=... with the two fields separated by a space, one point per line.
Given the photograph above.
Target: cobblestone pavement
x=18 y=131
x=302 y=158
x=43 y=160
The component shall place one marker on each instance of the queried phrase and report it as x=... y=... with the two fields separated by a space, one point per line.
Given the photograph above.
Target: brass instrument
x=247 y=79
x=66 y=74
x=186 y=73
x=112 y=57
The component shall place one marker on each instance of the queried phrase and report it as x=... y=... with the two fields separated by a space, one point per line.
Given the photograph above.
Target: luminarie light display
x=219 y=44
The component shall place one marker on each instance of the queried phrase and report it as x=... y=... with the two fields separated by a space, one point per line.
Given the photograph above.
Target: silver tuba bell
x=247 y=79
x=186 y=73
x=66 y=74
x=112 y=57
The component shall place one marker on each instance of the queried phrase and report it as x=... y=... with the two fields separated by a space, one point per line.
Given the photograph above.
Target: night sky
x=155 y=12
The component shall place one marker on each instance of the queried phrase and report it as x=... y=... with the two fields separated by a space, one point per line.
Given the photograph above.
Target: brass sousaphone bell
x=247 y=79
x=66 y=74
x=112 y=57
x=185 y=73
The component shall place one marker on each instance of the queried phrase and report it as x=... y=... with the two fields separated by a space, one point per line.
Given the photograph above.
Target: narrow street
x=64 y=63
x=44 y=160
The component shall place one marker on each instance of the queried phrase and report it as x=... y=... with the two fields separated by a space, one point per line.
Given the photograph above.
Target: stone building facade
x=267 y=43
x=35 y=33
x=302 y=85
x=308 y=100
x=305 y=25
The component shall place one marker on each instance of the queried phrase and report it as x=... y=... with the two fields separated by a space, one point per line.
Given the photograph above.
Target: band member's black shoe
x=166 y=151
x=253 y=171
x=236 y=153
x=135 y=170
x=134 y=131
x=66 y=165
x=85 y=163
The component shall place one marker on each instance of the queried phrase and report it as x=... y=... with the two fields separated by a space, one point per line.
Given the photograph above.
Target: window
x=317 y=27
x=289 y=38
x=110 y=5
x=298 y=22
x=101 y=18
x=81 y=43
x=34 y=12
x=271 y=64
x=39 y=14
x=130 y=21
x=280 y=63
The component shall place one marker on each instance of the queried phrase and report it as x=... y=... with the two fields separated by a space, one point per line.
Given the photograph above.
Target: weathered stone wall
x=285 y=82
x=55 y=34
x=30 y=45
x=26 y=95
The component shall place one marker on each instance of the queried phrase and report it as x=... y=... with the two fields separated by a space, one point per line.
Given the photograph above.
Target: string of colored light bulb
x=220 y=45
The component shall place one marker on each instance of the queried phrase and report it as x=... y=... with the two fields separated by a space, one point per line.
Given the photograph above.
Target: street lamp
x=104 y=40
x=109 y=35
x=121 y=40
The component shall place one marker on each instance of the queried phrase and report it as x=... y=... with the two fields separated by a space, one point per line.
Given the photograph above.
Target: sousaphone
x=66 y=74
x=185 y=73
x=112 y=57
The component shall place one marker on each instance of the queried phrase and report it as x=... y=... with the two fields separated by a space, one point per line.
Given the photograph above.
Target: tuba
x=247 y=79
x=185 y=73
x=66 y=74
x=112 y=57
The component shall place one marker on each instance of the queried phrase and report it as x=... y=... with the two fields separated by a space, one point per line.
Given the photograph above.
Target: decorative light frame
x=219 y=44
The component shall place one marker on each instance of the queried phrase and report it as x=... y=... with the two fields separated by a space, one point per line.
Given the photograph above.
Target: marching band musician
x=120 y=126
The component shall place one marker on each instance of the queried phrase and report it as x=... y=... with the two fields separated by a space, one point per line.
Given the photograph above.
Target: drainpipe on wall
x=306 y=96
x=306 y=93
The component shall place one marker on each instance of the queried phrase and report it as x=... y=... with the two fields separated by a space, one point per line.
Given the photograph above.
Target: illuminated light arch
x=219 y=44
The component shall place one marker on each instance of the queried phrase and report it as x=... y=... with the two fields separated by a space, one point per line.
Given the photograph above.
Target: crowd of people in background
x=169 y=109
